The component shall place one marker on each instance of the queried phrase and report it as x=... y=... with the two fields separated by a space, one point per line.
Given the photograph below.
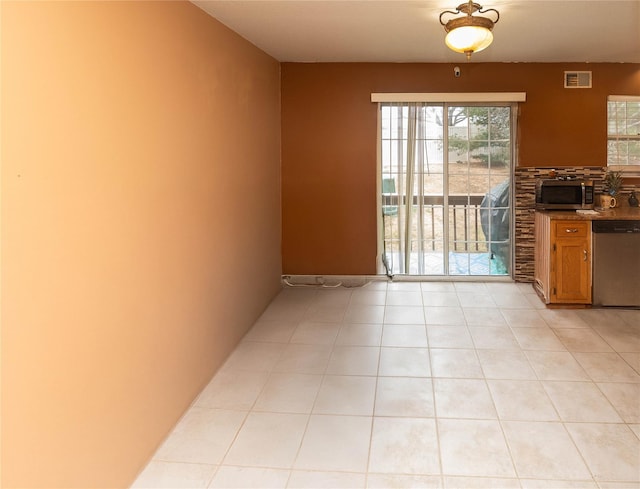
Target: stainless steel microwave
x=564 y=194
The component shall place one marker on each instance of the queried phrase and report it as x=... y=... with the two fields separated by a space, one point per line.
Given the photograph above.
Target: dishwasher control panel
x=616 y=227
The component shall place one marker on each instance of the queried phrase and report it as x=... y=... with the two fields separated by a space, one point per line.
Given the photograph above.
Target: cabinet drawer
x=571 y=229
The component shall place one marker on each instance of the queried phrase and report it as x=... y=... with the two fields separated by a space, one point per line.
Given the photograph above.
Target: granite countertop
x=617 y=214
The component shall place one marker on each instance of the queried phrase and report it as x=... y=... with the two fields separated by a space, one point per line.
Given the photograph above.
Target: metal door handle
x=585 y=254
x=574 y=230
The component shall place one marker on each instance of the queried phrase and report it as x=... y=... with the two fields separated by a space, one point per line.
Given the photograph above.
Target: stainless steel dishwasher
x=616 y=263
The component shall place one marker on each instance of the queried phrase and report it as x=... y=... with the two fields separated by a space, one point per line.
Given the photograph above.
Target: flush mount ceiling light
x=470 y=33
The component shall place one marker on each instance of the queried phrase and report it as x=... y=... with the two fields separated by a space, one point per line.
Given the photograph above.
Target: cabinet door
x=572 y=262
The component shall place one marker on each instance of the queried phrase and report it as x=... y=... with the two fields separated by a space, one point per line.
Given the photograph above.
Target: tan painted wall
x=329 y=142
x=140 y=226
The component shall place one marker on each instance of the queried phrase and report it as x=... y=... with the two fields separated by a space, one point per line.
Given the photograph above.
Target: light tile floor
x=433 y=384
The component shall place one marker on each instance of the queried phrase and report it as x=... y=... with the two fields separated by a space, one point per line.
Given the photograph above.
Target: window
x=623 y=131
x=445 y=188
x=445 y=166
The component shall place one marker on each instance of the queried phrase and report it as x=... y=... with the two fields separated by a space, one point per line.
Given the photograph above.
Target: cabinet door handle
x=585 y=254
x=572 y=230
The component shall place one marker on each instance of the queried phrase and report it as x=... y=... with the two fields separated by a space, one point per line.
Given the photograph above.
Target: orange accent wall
x=141 y=226
x=329 y=142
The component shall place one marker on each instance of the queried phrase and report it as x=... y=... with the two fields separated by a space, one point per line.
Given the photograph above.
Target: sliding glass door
x=445 y=179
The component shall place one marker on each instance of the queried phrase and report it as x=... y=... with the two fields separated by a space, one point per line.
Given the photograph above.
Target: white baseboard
x=332 y=280
x=362 y=280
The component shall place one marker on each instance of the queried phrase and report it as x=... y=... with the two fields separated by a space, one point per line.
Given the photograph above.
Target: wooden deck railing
x=466 y=234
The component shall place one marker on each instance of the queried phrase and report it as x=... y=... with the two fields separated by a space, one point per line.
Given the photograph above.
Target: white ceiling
x=409 y=31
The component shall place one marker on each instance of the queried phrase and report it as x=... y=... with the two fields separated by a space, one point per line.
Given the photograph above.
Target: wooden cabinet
x=563 y=260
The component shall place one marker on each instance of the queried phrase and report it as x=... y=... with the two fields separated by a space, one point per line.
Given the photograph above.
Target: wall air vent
x=577 y=79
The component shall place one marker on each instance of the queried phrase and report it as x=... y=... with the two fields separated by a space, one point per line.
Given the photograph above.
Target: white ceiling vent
x=577 y=79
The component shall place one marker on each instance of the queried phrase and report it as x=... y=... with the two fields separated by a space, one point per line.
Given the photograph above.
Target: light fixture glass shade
x=469 y=39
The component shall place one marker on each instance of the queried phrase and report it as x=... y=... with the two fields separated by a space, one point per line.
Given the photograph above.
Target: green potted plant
x=612 y=182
